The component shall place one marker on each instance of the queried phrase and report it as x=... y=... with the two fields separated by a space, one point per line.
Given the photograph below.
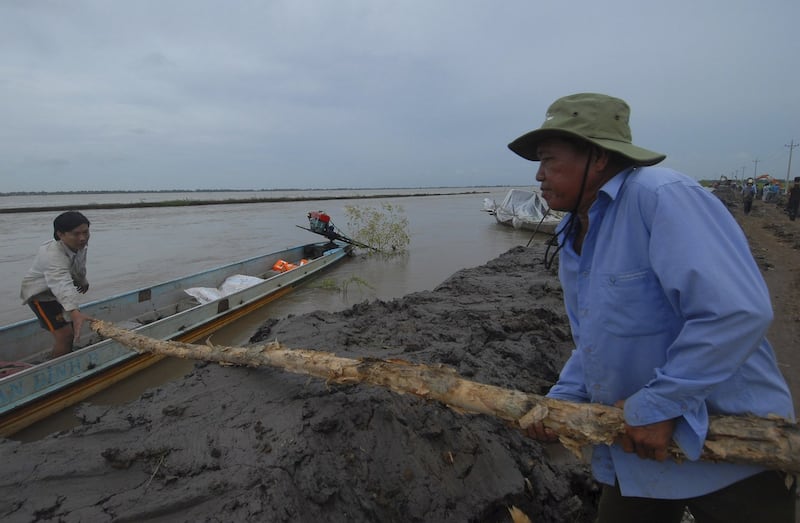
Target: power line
x=791 y=146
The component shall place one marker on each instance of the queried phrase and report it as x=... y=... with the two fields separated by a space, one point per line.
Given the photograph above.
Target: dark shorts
x=50 y=314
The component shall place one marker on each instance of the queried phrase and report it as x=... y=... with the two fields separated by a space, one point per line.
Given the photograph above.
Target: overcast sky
x=199 y=94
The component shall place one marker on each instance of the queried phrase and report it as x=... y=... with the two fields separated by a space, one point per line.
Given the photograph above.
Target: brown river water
x=136 y=247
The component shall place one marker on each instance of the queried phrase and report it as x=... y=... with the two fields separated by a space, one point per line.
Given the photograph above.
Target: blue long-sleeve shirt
x=669 y=312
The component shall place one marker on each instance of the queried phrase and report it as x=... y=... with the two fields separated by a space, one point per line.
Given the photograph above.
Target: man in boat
x=54 y=283
x=668 y=312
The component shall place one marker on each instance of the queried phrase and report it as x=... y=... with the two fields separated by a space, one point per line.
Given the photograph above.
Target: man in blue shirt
x=668 y=312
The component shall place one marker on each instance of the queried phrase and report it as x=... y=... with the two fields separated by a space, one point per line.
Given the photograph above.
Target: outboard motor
x=320 y=223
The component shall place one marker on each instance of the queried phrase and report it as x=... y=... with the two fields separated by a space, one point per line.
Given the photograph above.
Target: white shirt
x=55 y=272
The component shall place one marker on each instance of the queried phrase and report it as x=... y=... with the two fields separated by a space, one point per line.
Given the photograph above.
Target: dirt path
x=775 y=243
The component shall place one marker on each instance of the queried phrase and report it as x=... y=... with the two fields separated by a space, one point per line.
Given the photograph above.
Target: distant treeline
x=164 y=191
x=228 y=201
x=167 y=191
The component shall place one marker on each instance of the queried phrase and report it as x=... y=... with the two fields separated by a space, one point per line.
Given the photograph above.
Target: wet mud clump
x=242 y=444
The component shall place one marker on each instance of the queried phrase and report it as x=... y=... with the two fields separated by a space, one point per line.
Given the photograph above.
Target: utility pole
x=791 y=146
x=755 y=168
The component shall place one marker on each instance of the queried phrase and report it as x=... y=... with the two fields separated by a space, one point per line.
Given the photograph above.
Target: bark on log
x=769 y=442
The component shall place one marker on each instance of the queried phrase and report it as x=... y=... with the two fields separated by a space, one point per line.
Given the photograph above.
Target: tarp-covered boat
x=523 y=209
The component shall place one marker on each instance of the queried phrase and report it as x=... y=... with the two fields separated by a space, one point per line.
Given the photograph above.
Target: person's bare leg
x=63 y=341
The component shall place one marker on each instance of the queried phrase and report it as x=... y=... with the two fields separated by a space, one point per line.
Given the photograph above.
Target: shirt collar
x=69 y=252
x=613 y=186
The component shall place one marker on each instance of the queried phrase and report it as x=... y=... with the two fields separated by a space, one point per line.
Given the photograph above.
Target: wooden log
x=769 y=442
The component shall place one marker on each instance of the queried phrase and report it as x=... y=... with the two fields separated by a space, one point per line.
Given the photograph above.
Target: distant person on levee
x=54 y=283
x=668 y=313
x=794 y=199
x=748 y=194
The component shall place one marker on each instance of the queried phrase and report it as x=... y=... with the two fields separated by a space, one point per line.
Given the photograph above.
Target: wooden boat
x=164 y=311
x=523 y=209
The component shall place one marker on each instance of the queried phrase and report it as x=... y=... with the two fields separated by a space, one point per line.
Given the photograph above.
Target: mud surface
x=239 y=444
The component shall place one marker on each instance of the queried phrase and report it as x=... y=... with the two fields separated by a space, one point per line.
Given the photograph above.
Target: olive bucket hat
x=597 y=118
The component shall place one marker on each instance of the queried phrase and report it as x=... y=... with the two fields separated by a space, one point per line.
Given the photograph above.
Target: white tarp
x=524 y=210
x=525 y=206
x=232 y=284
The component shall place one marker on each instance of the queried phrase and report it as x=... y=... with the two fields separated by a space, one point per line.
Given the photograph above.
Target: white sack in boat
x=232 y=284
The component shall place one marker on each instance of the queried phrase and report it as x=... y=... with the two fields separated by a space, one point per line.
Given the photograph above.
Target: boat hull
x=163 y=311
x=547 y=226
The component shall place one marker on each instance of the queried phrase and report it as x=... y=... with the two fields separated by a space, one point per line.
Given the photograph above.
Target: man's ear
x=601 y=159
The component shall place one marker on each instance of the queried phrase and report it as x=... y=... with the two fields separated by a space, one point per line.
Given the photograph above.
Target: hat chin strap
x=570 y=225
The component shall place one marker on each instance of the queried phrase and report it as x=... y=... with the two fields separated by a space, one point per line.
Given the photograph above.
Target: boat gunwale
x=198 y=319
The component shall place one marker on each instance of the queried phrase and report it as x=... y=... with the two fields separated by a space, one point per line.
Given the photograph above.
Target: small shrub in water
x=385 y=229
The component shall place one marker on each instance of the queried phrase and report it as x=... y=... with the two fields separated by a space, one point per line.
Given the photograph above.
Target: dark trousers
x=748 y=204
x=792 y=207
x=760 y=498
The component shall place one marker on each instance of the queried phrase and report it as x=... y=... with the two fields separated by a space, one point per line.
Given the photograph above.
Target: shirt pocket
x=633 y=304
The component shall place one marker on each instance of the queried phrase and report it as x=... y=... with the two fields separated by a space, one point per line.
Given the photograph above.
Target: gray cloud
x=240 y=94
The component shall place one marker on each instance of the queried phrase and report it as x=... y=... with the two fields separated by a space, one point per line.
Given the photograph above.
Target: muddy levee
x=243 y=444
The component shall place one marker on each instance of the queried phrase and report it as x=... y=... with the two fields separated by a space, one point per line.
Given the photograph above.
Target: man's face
x=75 y=239
x=561 y=168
